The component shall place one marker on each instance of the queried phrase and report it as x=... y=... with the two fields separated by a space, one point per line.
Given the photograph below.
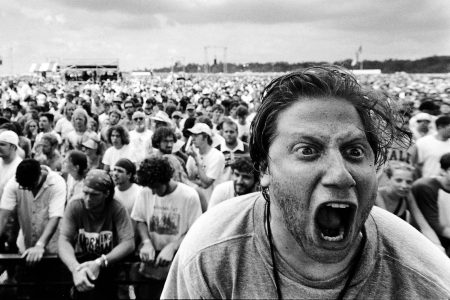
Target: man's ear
x=264 y=175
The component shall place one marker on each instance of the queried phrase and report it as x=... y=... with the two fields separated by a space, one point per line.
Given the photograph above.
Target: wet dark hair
x=442 y=121
x=28 y=173
x=50 y=117
x=154 y=170
x=160 y=134
x=376 y=110
x=244 y=164
x=79 y=159
x=124 y=136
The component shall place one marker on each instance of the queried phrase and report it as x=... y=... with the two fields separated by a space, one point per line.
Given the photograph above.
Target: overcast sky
x=154 y=33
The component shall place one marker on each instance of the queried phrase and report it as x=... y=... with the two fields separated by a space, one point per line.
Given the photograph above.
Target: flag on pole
x=356 y=59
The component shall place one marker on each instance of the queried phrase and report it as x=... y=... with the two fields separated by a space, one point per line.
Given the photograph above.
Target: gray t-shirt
x=226 y=255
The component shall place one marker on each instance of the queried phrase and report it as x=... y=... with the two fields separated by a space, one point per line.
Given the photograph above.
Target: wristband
x=102 y=261
x=146 y=241
x=105 y=260
x=40 y=244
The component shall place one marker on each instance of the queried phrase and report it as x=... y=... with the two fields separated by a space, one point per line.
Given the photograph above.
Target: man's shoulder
x=54 y=178
x=228 y=222
x=186 y=190
x=410 y=252
x=430 y=182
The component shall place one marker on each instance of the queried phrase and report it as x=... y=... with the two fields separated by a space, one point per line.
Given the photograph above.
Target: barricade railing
x=63 y=278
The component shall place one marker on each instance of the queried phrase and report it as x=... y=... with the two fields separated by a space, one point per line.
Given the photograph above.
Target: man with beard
x=312 y=232
x=243 y=181
x=49 y=155
x=163 y=141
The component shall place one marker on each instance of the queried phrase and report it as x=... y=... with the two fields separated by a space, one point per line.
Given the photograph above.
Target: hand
x=147 y=253
x=166 y=255
x=92 y=267
x=82 y=279
x=190 y=151
x=33 y=255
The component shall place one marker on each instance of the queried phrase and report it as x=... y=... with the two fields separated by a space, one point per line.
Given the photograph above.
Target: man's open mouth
x=334 y=220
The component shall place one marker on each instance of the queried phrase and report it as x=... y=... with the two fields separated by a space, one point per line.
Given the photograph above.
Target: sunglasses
x=138 y=119
x=127 y=107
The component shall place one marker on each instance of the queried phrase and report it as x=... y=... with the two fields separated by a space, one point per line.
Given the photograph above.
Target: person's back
x=226 y=254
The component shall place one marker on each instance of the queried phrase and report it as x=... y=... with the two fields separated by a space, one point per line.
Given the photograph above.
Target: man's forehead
x=120 y=169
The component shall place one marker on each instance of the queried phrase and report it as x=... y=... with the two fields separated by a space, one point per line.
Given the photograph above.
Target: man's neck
x=293 y=254
x=140 y=129
x=124 y=186
x=232 y=146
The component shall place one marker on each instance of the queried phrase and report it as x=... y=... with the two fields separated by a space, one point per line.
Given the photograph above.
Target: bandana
x=127 y=165
x=98 y=180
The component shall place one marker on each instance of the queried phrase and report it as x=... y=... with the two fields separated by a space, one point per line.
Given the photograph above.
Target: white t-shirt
x=128 y=197
x=167 y=219
x=213 y=163
x=8 y=171
x=222 y=192
x=63 y=127
x=142 y=143
x=430 y=150
x=112 y=155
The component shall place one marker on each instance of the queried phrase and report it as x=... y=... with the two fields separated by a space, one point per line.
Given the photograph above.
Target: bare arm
x=147 y=251
x=66 y=253
x=4 y=214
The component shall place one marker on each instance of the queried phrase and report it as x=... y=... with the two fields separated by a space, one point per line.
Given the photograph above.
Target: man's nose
x=336 y=171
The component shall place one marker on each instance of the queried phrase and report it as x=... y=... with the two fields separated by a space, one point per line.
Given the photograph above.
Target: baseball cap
x=9 y=136
x=177 y=114
x=138 y=114
x=423 y=117
x=201 y=128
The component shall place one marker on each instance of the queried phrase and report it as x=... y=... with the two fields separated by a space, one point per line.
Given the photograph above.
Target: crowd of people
x=98 y=172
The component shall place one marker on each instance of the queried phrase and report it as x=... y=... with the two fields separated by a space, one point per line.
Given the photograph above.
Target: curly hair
x=377 y=112
x=160 y=134
x=78 y=158
x=154 y=170
x=124 y=136
x=244 y=164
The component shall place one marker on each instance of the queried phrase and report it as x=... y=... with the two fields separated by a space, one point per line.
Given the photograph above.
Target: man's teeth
x=338 y=205
x=338 y=238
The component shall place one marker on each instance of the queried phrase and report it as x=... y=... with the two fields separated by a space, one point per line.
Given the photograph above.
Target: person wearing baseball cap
x=205 y=164
x=9 y=160
x=141 y=136
x=98 y=226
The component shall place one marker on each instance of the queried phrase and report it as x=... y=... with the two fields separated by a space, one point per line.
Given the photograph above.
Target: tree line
x=432 y=64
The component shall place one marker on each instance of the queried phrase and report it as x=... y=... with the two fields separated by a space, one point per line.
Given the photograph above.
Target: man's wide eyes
x=307 y=151
x=355 y=152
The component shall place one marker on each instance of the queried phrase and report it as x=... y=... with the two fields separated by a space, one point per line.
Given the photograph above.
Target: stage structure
x=95 y=70
x=207 y=50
